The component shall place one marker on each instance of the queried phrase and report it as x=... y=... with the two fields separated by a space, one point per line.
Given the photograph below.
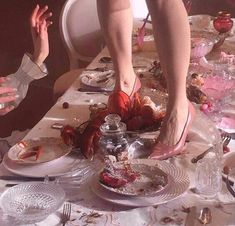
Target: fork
x=225 y=141
x=66 y=213
x=226 y=138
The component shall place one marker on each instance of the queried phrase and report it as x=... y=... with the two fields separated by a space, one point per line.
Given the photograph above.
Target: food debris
x=34 y=151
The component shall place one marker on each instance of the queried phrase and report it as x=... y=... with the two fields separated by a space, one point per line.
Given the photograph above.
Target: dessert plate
x=150 y=180
x=59 y=167
x=179 y=183
x=98 y=80
x=42 y=150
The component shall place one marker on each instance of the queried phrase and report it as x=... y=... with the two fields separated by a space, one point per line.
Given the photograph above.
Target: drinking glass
x=208 y=177
x=12 y=82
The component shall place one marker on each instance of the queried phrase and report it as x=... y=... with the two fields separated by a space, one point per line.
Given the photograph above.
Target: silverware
x=226 y=138
x=65 y=217
x=10 y=185
x=197 y=158
x=100 y=69
x=229 y=183
x=19 y=178
x=205 y=216
x=230 y=187
x=227 y=180
x=92 y=91
x=232 y=135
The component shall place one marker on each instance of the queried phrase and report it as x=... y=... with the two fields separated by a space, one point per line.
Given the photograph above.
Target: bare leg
x=116 y=22
x=172 y=36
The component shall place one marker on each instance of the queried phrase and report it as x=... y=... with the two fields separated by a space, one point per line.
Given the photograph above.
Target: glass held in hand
x=9 y=94
x=208 y=177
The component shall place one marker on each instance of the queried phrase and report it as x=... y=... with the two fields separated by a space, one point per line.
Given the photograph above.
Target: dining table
x=180 y=205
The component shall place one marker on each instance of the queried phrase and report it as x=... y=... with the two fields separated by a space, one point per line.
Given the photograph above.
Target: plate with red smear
x=132 y=178
x=39 y=150
x=178 y=184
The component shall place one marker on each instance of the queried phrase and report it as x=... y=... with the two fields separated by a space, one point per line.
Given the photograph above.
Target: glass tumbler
x=208 y=177
x=11 y=82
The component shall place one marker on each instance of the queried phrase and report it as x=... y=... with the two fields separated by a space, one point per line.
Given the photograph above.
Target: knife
x=18 y=178
x=229 y=187
x=93 y=91
x=227 y=180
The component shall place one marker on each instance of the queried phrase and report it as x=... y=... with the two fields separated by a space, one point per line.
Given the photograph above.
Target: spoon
x=205 y=216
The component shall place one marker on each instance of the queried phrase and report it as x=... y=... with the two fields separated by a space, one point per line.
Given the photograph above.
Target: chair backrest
x=80 y=31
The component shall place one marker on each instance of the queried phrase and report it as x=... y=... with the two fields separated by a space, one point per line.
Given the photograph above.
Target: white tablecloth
x=85 y=202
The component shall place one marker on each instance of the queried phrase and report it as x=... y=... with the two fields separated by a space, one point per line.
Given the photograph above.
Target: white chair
x=83 y=40
x=80 y=31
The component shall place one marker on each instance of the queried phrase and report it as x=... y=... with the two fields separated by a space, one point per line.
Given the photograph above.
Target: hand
x=39 y=24
x=7 y=95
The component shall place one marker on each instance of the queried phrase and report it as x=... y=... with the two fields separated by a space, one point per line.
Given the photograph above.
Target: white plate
x=52 y=148
x=58 y=167
x=100 y=80
x=146 y=183
x=179 y=183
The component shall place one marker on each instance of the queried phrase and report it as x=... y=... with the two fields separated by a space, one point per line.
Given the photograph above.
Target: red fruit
x=65 y=105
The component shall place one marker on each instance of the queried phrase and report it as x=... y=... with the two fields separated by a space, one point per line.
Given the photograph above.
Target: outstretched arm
x=13 y=88
x=39 y=23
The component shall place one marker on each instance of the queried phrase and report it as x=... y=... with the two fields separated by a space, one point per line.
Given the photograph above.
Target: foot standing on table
x=172 y=36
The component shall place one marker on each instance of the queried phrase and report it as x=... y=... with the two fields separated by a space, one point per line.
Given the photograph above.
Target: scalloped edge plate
x=179 y=183
x=146 y=185
x=52 y=149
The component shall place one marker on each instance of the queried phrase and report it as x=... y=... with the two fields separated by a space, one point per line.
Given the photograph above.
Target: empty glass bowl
x=202 y=42
x=33 y=201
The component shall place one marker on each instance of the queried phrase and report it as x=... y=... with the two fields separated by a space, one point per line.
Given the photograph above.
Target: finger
x=49 y=23
x=4 y=90
x=9 y=98
x=6 y=110
x=42 y=29
x=45 y=16
x=33 y=16
x=37 y=30
x=41 y=12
